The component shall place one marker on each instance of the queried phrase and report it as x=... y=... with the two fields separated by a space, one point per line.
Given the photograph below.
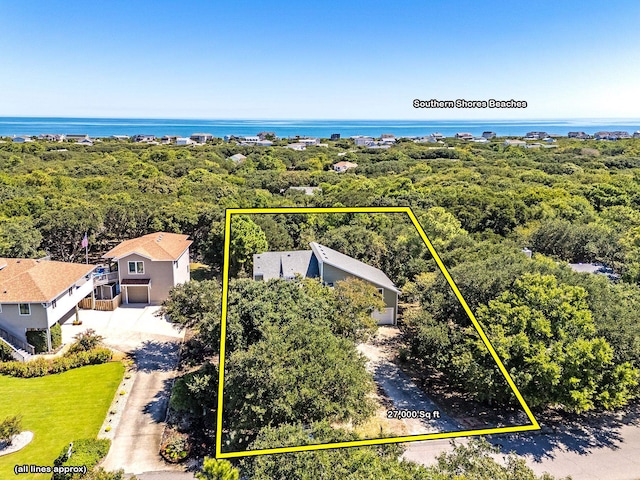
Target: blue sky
x=363 y=60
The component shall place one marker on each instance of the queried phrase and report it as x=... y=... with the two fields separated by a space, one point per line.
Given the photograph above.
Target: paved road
x=608 y=450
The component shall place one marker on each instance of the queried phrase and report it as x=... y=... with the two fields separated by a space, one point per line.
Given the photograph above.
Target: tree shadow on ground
x=155 y=356
x=579 y=434
x=157 y=408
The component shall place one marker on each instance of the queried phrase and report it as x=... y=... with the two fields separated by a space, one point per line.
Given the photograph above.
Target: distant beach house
x=298 y=146
x=330 y=266
x=343 y=166
x=184 y=141
x=75 y=137
x=201 y=138
x=51 y=137
x=514 y=143
x=464 y=136
x=489 y=135
x=37 y=294
x=362 y=141
x=309 y=142
x=22 y=139
x=149 y=266
x=238 y=157
x=141 y=138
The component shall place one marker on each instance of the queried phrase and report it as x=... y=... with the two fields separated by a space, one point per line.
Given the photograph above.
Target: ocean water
x=105 y=127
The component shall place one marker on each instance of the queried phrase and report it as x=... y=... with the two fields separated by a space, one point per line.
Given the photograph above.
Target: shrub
x=5 y=352
x=56 y=336
x=9 y=427
x=176 y=448
x=85 y=451
x=85 y=341
x=40 y=367
x=37 y=368
x=38 y=338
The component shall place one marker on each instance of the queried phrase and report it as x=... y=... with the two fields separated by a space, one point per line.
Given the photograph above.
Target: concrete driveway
x=154 y=344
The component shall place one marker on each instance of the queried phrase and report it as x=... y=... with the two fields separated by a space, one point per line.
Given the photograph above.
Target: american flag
x=85 y=241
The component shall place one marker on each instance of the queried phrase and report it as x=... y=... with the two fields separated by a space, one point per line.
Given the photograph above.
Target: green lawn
x=58 y=409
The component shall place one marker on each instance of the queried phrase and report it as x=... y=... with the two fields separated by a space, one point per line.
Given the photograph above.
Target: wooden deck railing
x=103 y=305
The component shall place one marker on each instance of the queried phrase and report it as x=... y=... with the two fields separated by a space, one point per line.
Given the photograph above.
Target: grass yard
x=58 y=409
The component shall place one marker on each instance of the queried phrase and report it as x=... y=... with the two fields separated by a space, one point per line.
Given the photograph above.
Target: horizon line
x=308 y=119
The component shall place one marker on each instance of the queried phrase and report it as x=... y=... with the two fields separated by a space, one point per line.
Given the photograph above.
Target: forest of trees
x=570 y=341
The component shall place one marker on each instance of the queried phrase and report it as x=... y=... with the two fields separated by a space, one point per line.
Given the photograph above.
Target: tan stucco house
x=329 y=266
x=36 y=294
x=149 y=266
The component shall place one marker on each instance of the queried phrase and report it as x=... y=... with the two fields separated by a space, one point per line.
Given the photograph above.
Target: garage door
x=384 y=317
x=138 y=294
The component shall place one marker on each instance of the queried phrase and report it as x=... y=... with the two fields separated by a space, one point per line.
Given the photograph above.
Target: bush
x=56 y=336
x=176 y=448
x=41 y=367
x=85 y=451
x=5 y=352
x=9 y=427
x=38 y=338
x=85 y=341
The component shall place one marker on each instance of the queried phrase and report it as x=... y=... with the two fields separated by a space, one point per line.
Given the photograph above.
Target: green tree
x=247 y=239
x=9 y=427
x=356 y=300
x=476 y=461
x=298 y=372
x=545 y=335
x=361 y=463
x=213 y=469
x=19 y=238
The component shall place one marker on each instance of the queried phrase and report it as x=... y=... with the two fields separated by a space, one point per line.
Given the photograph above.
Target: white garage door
x=384 y=317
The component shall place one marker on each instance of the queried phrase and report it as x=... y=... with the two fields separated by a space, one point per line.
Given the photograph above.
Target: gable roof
x=159 y=246
x=352 y=266
x=27 y=280
x=285 y=264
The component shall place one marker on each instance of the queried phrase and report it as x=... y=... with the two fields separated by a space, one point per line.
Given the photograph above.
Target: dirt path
x=399 y=388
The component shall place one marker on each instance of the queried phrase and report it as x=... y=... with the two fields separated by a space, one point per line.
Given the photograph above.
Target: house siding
x=181 y=272
x=160 y=273
x=65 y=302
x=16 y=324
x=331 y=274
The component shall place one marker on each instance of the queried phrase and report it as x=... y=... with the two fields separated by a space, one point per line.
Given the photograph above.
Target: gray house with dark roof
x=329 y=266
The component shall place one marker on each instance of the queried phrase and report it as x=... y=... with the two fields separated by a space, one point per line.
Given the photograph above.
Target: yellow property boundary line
x=378 y=441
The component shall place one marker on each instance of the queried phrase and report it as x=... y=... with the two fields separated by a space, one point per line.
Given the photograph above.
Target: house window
x=24 y=309
x=381 y=291
x=259 y=277
x=70 y=291
x=136 y=267
x=54 y=303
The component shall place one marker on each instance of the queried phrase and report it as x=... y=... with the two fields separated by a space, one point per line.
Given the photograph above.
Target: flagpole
x=85 y=244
